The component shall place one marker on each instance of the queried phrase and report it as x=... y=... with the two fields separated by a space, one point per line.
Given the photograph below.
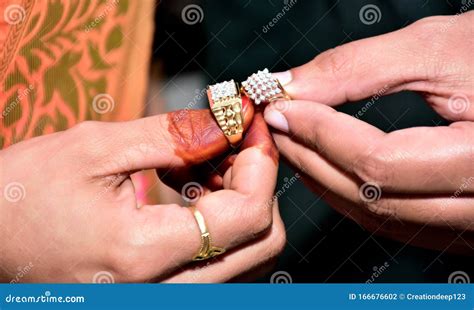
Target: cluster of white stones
x=223 y=90
x=261 y=86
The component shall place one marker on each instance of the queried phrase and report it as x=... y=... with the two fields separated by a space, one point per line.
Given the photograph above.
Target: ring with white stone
x=263 y=87
x=226 y=104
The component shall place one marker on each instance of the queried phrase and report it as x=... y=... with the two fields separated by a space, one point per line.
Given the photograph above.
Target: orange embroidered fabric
x=65 y=61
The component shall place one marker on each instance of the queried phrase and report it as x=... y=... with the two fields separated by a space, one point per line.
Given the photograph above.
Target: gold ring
x=226 y=104
x=207 y=250
x=263 y=87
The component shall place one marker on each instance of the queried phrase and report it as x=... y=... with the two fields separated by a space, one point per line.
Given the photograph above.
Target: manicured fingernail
x=276 y=119
x=284 y=77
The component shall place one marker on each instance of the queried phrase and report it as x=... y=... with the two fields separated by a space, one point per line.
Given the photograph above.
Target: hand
x=69 y=206
x=414 y=185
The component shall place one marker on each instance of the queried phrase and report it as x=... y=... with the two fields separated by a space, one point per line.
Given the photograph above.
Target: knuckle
x=428 y=25
x=262 y=219
x=431 y=34
x=88 y=143
x=278 y=241
x=374 y=167
x=190 y=130
x=337 y=62
x=157 y=136
x=380 y=210
x=375 y=217
x=128 y=264
x=85 y=127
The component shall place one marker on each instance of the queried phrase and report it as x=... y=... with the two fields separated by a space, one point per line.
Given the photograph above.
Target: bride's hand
x=69 y=208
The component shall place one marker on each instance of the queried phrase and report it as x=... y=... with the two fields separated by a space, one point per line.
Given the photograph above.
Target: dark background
x=229 y=43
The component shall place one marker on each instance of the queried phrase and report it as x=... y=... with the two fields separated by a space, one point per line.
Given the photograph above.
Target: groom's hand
x=416 y=184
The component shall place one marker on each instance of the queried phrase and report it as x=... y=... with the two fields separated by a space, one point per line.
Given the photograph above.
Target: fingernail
x=276 y=119
x=284 y=77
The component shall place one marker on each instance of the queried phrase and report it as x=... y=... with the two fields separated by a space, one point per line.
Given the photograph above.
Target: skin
x=418 y=170
x=79 y=214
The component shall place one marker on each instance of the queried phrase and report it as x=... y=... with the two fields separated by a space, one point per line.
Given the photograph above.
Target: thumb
x=172 y=140
x=360 y=69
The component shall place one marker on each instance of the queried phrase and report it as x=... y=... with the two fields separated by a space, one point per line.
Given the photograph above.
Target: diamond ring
x=263 y=87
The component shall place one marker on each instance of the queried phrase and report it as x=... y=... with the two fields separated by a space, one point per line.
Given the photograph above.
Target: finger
x=249 y=192
x=441 y=223
x=416 y=160
x=405 y=207
x=175 y=140
x=402 y=217
x=325 y=130
x=432 y=223
x=318 y=168
x=209 y=173
x=246 y=258
x=169 y=235
x=360 y=69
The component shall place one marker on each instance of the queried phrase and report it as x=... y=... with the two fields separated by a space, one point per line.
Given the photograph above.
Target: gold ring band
x=225 y=102
x=207 y=250
x=263 y=87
